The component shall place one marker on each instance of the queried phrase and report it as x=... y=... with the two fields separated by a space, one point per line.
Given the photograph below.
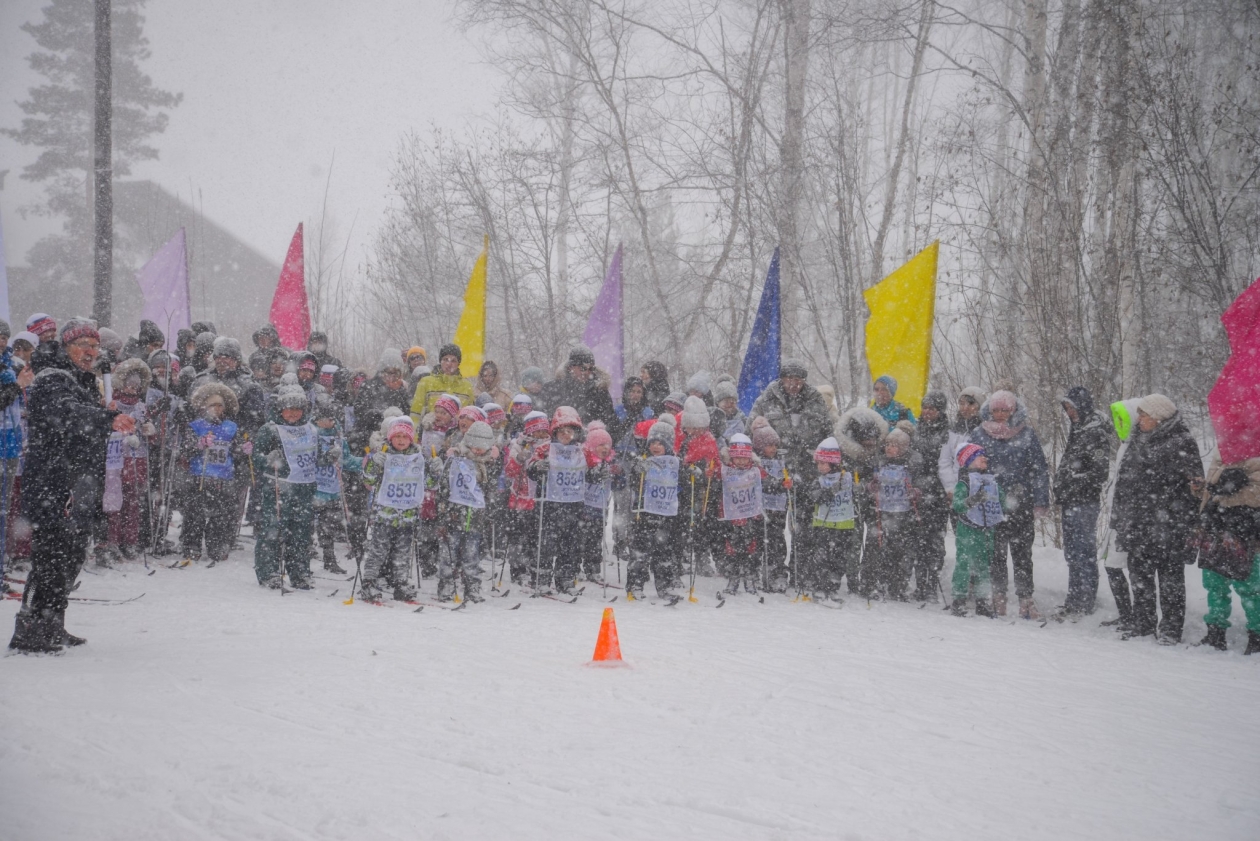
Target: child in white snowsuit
x=832 y=538
x=395 y=475
x=603 y=476
x=522 y=513
x=465 y=505
x=655 y=525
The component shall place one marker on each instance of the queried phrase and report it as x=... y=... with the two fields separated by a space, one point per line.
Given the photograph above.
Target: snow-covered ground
x=214 y=709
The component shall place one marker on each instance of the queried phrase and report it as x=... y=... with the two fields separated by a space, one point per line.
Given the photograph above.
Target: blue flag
x=761 y=360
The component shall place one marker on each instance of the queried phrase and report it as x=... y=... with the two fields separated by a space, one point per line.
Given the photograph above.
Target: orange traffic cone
x=607 y=649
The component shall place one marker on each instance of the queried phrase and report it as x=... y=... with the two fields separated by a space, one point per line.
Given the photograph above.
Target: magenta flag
x=289 y=311
x=603 y=334
x=1233 y=400
x=164 y=284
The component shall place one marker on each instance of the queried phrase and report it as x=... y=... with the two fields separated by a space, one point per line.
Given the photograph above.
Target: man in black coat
x=62 y=481
x=577 y=388
x=1078 y=484
x=798 y=412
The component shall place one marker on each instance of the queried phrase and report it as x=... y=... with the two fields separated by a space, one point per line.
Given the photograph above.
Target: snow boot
x=635 y=594
x=1028 y=609
x=1253 y=642
x=732 y=587
x=61 y=635
x=999 y=604
x=33 y=632
x=959 y=607
x=1215 y=638
x=404 y=592
x=330 y=563
x=300 y=583
x=272 y=582
x=370 y=591
x=984 y=608
x=128 y=553
x=472 y=591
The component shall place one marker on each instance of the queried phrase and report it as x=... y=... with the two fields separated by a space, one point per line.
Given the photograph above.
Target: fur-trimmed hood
x=206 y=391
x=130 y=368
x=847 y=431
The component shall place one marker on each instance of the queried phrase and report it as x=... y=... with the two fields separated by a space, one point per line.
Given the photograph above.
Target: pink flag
x=1233 y=400
x=164 y=285
x=288 y=308
x=603 y=330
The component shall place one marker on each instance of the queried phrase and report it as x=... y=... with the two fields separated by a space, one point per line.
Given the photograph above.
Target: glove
x=977 y=498
x=697 y=471
x=204 y=442
x=275 y=459
x=378 y=459
x=248 y=448
x=787 y=483
x=7 y=377
x=148 y=429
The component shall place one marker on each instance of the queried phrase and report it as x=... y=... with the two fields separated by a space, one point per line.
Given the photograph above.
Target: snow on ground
x=214 y=709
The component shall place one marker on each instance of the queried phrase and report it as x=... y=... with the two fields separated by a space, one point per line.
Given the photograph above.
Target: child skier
x=700 y=455
x=778 y=488
x=210 y=448
x=896 y=517
x=831 y=541
x=739 y=487
x=561 y=466
x=335 y=461
x=125 y=500
x=522 y=517
x=654 y=527
x=603 y=475
x=464 y=503
x=978 y=502
x=284 y=454
x=395 y=475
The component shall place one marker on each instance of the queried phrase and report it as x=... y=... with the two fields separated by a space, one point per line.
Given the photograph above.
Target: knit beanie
x=596 y=435
x=899 y=437
x=763 y=434
x=389 y=361
x=936 y=400
x=483 y=398
x=448 y=403
x=740 y=446
x=967 y=453
x=889 y=382
x=565 y=416
x=28 y=337
x=291 y=397
x=326 y=375
x=402 y=424
x=522 y=404
x=473 y=413
x=974 y=392
x=700 y=382
x=536 y=422
x=325 y=407
x=829 y=452
x=150 y=333
x=479 y=435
x=40 y=323
x=580 y=355
x=1003 y=400
x=664 y=433
x=451 y=349
x=695 y=414
x=416 y=350
x=667 y=417
x=225 y=346
x=4 y=329
x=1157 y=406
x=674 y=403
x=494 y=413
x=75 y=329
x=793 y=368
x=724 y=390
x=531 y=375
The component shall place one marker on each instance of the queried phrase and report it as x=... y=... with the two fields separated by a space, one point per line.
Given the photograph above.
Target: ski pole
x=279 y=531
x=542 y=498
x=691 y=541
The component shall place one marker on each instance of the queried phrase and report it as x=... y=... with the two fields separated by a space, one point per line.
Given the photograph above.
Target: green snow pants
x=291 y=533
x=1220 y=603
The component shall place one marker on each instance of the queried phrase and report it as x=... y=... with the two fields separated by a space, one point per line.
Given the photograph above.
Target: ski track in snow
x=215 y=709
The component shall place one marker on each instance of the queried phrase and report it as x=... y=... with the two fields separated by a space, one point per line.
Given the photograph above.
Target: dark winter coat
x=1086 y=460
x=1155 y=509
x=369 y=410
x=930 y=438
x=1018 y=462
x=657 y=389
x=798 y=439
x=68 y=432
x=591 y=401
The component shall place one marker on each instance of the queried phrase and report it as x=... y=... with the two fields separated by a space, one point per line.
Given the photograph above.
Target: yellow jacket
x=430 y=388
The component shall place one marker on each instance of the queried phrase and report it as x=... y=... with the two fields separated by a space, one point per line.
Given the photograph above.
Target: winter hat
x=906 y=427
x=258 y=361
x=793 y=368
x=580 y=355
x=724 y=390
x=291 y=397
x=266 y=331
x=937 y=400
x=389 y=361
x=77 y=328
x=973 y=393
x=110 y=340
x=40 y=323
x=479 y=435
x=1079 y=398
x=226 y=346
x=4 y=328
x=522 y=404
x=829 y=452
x=695 y=414
x=150 y=334
x=536 y=422
x=889 y=382
x=669 y=418
x=326 y=375
x=565 y=416
x=317 y=336
x=289 y=379
x=403 y=424
x=967 y=453
x=325 y=407
x=596 y=435
x=473 y=413
x=674 y=403
x=531 y=375
x=763 y=434
x=200 y=327
x=482 y=399
x=416 y=350
x=700 y=382
x=494 y=413
x=306 y=362
x=449 y=403
x=451 y=349
x=664 y=433
x=740 y=446
x=1157 y=406
x=28 y=337
x=899 y=437
x=1003 y=400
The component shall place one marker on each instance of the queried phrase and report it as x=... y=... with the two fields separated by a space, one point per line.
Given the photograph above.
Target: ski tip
x=419 y=609
x=152 y=572
x=515 y=606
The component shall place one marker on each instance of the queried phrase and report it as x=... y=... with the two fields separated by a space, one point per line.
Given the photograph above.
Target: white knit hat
x=695 y=414
x=1157 y=406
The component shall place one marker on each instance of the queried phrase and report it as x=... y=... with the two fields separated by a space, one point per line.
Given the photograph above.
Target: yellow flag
x=899 y=331
x=470 y=334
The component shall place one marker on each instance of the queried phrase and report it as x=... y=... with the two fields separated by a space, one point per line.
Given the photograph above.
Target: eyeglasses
x=86 y=344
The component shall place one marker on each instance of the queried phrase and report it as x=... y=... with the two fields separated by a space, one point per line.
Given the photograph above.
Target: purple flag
x=164 y=284
x=603 y=329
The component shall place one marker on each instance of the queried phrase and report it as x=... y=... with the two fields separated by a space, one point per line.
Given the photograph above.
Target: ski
x=104 y=601
x=496 y=594
x=721 y=597
x=669 y=602
x=422 y=605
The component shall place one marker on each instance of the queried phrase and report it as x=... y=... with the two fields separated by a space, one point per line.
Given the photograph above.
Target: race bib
x=741 y=493
x=660 y=486
x=462 y=479
x=566 y=473
x=839 y=513
x=894 y=488
x=402 y=482
x=114 y=452
x=598 y=493
x=299 y=443
x=988 y=513
x=326 y=481
x=779 y=501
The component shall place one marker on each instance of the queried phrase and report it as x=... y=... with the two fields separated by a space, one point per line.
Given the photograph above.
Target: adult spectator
x=1016 y=458
x=577 y=387
x=970 y=400
x=62 y=479
x=416 y=361
x=490 y=382
x=446 y=380
x=24 y=344
x=632 y=409
x=656 y=386
x=42 y=325
x=317 y=346
x=385 y=390
x=1154 y=511
x=929 y=440
x=227 y=369
x=797 y=412
x=532 y=382
x=265 y=337
x=885 y=390
x=1078 y=484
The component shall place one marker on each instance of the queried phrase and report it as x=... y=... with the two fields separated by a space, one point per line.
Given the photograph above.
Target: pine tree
x=58 y=121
